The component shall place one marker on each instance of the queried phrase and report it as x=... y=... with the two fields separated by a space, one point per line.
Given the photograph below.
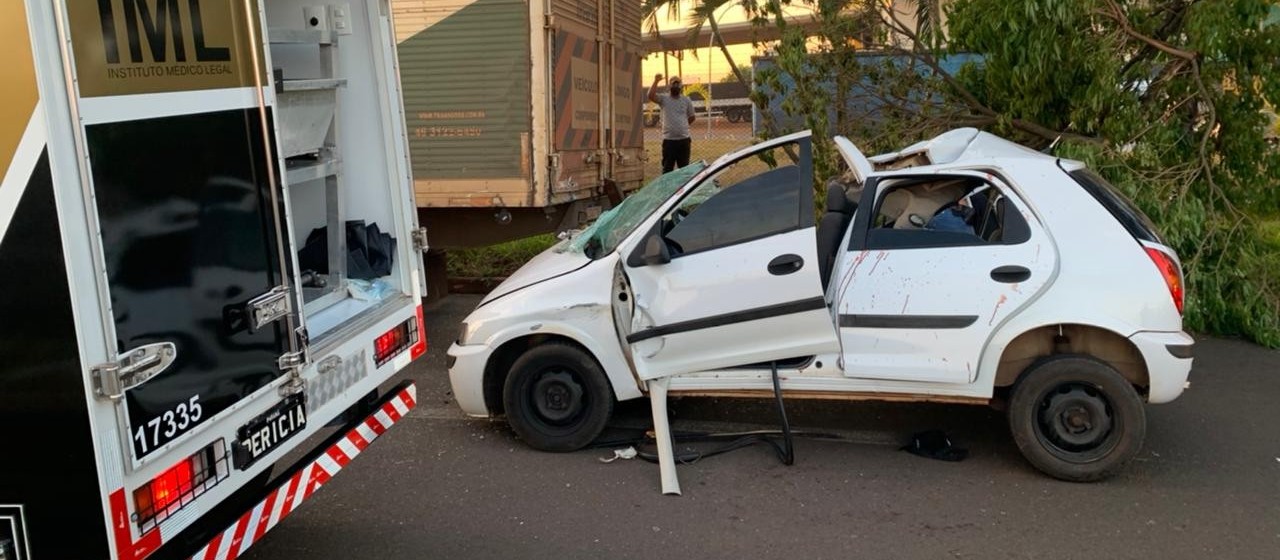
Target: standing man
x=677 y=115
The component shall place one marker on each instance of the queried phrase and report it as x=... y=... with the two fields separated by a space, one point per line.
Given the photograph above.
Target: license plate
x=263 y=434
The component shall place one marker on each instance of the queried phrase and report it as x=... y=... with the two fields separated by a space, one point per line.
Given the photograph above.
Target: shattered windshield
x=603 y=236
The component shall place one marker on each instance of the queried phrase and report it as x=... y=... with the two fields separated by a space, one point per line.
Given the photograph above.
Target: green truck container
x=523 y=116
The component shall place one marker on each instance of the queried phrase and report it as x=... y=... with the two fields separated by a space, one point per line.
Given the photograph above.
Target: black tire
x=1076 y=418
x=557 y=397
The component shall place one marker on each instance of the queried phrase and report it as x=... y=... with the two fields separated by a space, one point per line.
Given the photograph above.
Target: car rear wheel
x=1076 y=418
x=557 y=397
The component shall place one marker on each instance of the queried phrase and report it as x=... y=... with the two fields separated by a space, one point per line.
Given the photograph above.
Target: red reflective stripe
x=126 y=549
x=421 y=347
x=373 y=424
x=265 y=518
x=391 y=411
x=211 y=553
x=318 y=478
x=292 y=488
x=338 y=456
x=357 y=440
x=234 y=550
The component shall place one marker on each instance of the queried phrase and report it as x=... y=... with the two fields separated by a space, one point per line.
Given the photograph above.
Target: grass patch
x=497 y=260
x=1271 y=232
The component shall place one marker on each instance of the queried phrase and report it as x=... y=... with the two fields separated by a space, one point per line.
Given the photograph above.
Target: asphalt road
x=1207 y=484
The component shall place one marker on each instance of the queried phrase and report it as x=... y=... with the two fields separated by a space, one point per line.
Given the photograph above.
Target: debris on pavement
x=628 y=453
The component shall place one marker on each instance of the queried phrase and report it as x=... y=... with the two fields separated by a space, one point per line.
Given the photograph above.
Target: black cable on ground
x=789 y=453
x=737 y=440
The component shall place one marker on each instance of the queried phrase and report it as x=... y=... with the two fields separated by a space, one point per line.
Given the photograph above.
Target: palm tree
x=928 y=19
x=702 y=12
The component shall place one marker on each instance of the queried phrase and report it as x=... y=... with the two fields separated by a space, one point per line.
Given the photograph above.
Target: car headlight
x=465 y=333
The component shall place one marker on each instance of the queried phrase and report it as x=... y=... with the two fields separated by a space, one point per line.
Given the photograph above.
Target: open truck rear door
x=210 y=253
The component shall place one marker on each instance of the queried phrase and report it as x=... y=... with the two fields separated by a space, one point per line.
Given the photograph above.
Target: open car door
x=728 y=273
x=853 y=157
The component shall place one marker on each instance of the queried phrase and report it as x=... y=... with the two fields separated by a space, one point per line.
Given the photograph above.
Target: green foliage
x=732 y=78
x=1166 y=98
x=496 y=261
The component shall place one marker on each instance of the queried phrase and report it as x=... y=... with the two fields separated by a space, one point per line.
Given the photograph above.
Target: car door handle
x=1011 y=274
x=785 y=264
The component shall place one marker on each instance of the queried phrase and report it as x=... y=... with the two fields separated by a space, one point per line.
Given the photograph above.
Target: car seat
x=831 y=229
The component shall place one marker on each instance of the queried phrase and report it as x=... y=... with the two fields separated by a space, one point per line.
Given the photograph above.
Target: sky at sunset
x=701 y=65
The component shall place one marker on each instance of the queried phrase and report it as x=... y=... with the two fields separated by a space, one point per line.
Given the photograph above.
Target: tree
x=732 y=76
x=701 y=13
x=1164 y=97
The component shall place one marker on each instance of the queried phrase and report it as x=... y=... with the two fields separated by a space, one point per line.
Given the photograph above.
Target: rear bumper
x=308 y=475
x=1168 y=358
x=466 y=375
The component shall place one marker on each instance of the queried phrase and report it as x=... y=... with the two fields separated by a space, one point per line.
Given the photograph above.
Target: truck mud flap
x=238 y=530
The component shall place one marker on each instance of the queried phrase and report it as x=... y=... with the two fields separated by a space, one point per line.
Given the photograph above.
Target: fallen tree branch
x=969 y=99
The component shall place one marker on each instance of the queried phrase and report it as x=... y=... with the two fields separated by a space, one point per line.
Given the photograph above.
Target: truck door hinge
x=293 y=386
x=419 y=238
x=291 y=360
x=269 y=308
x=133 y=368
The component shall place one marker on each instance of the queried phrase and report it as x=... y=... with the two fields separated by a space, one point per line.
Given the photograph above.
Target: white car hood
x=547 y=265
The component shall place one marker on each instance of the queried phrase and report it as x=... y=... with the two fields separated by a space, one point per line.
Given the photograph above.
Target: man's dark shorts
x=675 y=153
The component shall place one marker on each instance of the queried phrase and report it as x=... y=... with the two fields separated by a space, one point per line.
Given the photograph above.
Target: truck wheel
x=1076 y=418
x=734 y=116
x=557 y=397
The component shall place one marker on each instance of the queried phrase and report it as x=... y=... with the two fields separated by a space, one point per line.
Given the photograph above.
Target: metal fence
x=723 y=124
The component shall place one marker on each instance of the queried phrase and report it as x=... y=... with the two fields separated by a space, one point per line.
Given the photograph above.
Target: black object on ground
x=935 y=444
x=736 y=440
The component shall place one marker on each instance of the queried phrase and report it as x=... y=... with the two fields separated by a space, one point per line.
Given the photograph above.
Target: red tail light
x=155 y=498
x=397 y=340
x=179 y=485
x=1171 y=273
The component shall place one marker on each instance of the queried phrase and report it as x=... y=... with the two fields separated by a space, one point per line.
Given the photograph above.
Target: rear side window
x=1119 y=205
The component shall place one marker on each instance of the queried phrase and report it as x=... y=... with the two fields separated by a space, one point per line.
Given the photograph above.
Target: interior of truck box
x=335 y=130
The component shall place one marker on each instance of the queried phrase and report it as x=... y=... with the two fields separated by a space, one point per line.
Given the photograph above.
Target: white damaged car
x=963 y=269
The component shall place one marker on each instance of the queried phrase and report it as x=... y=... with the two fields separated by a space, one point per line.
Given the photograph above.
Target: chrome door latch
x=132 y=369
x=268 y=308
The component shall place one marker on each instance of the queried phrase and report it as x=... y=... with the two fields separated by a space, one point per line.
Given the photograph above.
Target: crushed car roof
x=955 y=146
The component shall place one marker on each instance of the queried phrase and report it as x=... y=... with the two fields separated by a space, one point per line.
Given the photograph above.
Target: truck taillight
x=179 y=485
x=395 y=341
x=1171 y=273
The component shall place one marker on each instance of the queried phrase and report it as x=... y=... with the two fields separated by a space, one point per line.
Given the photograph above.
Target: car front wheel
x=557 y=397
x=1076 y=418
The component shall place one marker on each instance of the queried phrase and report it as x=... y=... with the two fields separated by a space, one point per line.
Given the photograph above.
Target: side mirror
x=656 y=251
